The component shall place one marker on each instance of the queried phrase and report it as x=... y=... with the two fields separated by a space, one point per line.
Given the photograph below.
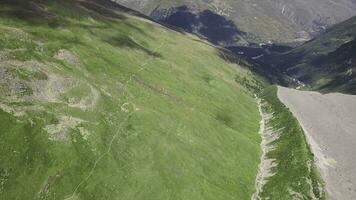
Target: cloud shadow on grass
x=124 y=41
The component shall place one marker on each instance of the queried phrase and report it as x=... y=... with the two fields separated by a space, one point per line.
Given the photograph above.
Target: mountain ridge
x=325 y=63
x=277 y=21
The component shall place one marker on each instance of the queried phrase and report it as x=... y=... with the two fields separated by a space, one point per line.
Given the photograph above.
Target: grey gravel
x=329 y=122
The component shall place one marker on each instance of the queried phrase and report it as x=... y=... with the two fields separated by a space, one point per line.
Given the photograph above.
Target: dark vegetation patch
x=208 y=79
x=225 y=118
x=157 y=89
x=270 y=74
x=340 y=66
x=25 y=90
x=31 y=12
x=36 y=12
x=216 y=28
x=247 y=51
x=229 y=56
x=99 y=9
x=28 y=75
x=127 y=42
x=25 y=148
x=252 y=85
x=325 y=63
x=280 y=48
x=182 y=18
x=108 y=4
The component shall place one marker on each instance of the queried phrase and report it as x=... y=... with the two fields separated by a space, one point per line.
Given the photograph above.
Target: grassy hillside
x=325 y=63
x=341 y=70
x=99 y=104
x=279 y=21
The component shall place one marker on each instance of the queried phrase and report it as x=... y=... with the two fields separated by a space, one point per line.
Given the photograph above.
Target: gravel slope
x=329 y=122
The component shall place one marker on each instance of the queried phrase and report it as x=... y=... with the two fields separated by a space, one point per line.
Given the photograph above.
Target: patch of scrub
x=129 y=108
x=15 y=33
x=126 y=107
x=4 y=177
x=70 y=58
x=11 y=110
x=84 y=133
x=83 y=96
x=295 y=195
x=105 y=92
x=60 y=131
x=12 y=83
x=45 y=191
x=32 y=80
x=73 y=197
x=50 y=90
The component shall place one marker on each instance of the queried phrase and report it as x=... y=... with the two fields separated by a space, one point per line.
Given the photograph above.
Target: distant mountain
x=327 y=63
x=254 y=21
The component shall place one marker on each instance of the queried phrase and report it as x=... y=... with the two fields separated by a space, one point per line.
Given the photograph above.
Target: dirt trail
x=268 y=135
x=329 y=122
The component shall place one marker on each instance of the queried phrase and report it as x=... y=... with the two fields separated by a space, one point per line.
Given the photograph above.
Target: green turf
x=138 y=111
x=295 y=175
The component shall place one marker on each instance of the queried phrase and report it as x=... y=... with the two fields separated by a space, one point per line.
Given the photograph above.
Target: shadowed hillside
x=215 y=28
x=262 y=21
x=326 y=63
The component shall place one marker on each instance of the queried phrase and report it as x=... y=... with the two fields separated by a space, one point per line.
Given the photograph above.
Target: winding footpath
x=329 y=123
x=268 y=135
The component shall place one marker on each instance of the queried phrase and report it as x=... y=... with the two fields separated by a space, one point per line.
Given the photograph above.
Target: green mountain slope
x=326 y=63
x=268 y=20
x=291 y=163
x=97 y=103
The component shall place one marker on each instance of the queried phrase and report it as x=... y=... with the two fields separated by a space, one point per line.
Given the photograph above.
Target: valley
x=278 y=21
x=326 y=63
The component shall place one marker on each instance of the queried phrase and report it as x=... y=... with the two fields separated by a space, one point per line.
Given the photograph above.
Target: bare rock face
x=270 y=20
